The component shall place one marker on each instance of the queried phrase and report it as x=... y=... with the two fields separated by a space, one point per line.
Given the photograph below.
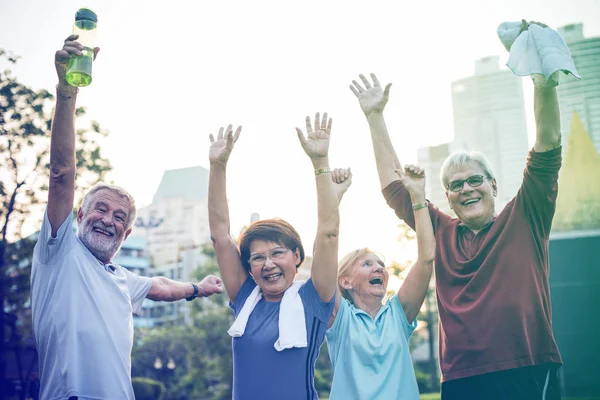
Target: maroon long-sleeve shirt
x=492 y=287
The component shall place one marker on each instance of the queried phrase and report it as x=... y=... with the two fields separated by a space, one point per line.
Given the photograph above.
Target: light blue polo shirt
x=371 y=357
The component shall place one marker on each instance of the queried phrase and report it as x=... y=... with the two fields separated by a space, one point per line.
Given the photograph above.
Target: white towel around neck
x=292 y=323
x=537 y=52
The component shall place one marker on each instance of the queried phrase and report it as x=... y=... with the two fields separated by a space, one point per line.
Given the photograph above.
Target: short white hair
x=460 y=161
x=85 y=205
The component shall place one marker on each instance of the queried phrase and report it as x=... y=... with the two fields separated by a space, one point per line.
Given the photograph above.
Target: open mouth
x=376 y=281
x=104 y=232
x=471 y=201
x=273 y=277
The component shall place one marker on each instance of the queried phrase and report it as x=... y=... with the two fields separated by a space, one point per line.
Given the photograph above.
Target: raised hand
x=220 y=149
x=316 y=145
x=342 y=179
x=61 y=58
x=413 y=179
x=210 y=285
x=372 y=99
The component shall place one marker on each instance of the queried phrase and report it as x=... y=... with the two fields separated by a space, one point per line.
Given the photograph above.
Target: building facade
x=581 y=96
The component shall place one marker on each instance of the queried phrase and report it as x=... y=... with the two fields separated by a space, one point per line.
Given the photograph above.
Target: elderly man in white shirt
x=82 y=303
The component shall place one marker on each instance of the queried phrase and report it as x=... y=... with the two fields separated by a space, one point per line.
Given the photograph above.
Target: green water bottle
x=79 y=69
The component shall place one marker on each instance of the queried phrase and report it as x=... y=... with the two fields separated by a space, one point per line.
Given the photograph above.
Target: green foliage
x=201 y=353
x=323 y=372
x=148 y=389
x=423 y=381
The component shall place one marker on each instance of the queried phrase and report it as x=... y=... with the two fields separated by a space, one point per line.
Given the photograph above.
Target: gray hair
x=460 y=160
x=85 y=205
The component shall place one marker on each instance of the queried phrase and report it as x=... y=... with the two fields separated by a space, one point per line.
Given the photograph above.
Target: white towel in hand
x=292 y=323
x=537 y=51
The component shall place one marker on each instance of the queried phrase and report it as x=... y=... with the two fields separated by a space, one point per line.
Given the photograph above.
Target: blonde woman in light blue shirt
x=367 y=338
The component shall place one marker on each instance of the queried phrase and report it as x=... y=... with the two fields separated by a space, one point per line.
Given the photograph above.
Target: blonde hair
x=345 y=268
x=85 y=205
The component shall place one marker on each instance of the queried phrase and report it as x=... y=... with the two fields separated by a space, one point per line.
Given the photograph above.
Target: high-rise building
x=175 y=227
x=178 y=215
x=581 y=96
x=489 y=116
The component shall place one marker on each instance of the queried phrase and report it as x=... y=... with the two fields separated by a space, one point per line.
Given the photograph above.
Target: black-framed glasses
x=473 y=181
x=259 y=259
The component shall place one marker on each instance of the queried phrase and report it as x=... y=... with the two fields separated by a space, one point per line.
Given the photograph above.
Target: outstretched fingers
x=357 y=88
x=324 y=122
x=301 y=137
x=237 y=133
x=308 y=125
x=375 y=80
x=365 y=81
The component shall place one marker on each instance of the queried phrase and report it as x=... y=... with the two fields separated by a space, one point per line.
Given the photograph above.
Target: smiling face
x=103 y=224
x=273 y=267
x=474 y=206
x=366 y=279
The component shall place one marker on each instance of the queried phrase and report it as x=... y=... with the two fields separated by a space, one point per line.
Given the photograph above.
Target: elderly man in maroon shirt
x=495 y=329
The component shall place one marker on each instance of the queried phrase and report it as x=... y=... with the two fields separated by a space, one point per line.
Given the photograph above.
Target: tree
x=200 y=355
x=25 y=120
x=429 y=315
x=148 y=389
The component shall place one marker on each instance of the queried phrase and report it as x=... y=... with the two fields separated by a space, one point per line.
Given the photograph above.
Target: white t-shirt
x=82 y=318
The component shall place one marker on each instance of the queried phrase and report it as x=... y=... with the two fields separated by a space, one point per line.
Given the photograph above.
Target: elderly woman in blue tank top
x=280 y=323
x=368 y=339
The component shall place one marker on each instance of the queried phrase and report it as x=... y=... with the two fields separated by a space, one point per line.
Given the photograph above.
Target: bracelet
x=418 y=206
x=193 y=296
x=320 y=171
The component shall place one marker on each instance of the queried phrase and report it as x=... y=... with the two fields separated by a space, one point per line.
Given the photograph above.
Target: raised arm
x=372 y=100
x=325 y=253
x=62 y=140
x=413 y=290
x=546 y=111
x=342 y=179
x=226 y=250
x=547 y=119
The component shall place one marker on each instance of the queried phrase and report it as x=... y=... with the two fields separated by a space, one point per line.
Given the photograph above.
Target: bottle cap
x=86 y=14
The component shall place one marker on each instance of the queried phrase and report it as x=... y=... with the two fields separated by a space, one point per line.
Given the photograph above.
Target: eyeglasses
x=259 y=259
x=473 y=181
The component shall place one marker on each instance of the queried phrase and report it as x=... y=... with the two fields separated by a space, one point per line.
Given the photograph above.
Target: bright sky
x=172 y=72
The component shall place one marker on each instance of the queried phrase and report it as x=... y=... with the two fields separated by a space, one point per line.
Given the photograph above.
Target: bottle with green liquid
x=79 y=69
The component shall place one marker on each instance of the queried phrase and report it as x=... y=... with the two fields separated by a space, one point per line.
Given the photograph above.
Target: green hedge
x=148 y=389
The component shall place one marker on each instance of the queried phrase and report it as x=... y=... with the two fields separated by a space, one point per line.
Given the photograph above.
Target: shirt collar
x=463 y=226
x=110 y=267
x=382 y=309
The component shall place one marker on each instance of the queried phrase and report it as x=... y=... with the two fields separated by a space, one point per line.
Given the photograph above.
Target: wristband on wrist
x=195 y=294
x=418 y=206
x=320 y=171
